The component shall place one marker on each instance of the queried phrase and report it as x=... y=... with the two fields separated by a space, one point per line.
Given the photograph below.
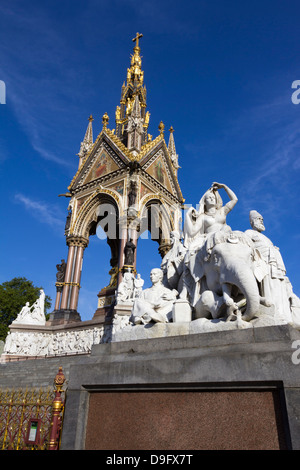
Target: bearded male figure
x=270 y=270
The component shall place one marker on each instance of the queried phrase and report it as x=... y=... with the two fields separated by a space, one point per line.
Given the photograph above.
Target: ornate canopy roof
x=129 y=144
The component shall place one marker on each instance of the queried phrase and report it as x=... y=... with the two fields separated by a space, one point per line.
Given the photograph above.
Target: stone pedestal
x=182 y=311
x=63 y=317
x=123 y=309
x=105 y=303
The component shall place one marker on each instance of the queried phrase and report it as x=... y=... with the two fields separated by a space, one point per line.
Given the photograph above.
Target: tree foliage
x=13 y=296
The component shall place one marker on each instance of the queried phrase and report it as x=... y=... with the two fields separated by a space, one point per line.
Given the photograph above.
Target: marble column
x=123 y=240
x=76 y=278
x=67 y=281
x=70 y=293
x=122 y=246
x=134 y=227
x=59 y=288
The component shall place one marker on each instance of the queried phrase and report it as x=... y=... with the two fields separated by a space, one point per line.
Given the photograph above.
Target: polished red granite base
x=195 y=420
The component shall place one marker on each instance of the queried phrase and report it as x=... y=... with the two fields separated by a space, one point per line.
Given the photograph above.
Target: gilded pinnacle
x=105 y=120
x=161 y=127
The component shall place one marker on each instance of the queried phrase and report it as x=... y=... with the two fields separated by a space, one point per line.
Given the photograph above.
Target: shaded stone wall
x=35 y=372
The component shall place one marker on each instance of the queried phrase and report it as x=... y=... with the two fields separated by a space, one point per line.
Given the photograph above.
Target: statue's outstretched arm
x=232 y=196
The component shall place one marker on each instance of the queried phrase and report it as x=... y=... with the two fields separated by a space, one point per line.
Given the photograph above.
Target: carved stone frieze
x=31 y=343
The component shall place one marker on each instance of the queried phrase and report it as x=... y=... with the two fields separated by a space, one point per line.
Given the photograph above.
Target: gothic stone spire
x=172 y=149
x=87 y=142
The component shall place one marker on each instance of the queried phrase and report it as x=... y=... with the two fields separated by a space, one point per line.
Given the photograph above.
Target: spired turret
x=133 y=101
x=172 y=150
x=87 y=142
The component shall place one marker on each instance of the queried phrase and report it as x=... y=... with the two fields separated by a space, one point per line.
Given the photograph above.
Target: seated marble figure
x=201 y=225
x=155 y=303
x=125 y=289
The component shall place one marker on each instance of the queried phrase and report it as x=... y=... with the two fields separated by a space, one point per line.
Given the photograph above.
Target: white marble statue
x=270 y=270
x=24 y=314
x=33 y=315
x=138 y=286
x=38 y=312
x=218 y=273
x=294 y=303
x=199 y=231
x=155 y=303
x=125 y=289
x=210 y=218
x=172 y=264
x=129 y=288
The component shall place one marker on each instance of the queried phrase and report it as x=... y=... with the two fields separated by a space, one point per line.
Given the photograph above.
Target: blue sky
x=220 y=72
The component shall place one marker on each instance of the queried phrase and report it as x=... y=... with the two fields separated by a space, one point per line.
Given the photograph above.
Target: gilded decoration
x=18 y=408
x=120 y=145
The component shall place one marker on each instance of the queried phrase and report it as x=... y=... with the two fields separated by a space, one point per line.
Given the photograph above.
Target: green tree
x=13 y=296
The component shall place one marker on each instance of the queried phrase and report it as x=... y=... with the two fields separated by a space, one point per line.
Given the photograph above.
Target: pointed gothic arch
x=101 y=208
x=157 y=219
x=89 y=213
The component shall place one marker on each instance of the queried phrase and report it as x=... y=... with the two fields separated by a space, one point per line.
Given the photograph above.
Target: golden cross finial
x=136 y=39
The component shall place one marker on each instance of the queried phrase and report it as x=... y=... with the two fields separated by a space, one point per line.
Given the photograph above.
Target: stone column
x=76 y=278
x=59 y=288
x=123 y=240
x=79 y=244
x=73 y=272
x=133 y=228
x=66 y=312
x=67 y=281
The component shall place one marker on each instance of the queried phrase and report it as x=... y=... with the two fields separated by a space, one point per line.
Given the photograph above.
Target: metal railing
x=31 y=419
